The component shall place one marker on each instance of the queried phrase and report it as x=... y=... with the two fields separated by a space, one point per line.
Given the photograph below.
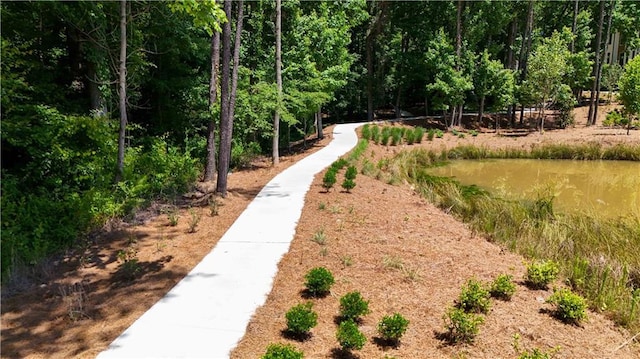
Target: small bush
x=194 y=220
x=375 y=134
x=396 y=136
x=615 y=118
x=535 y=354
x=461 y=326
x=570 y=307
x=384 y=136
x=301 y=318
x=329 y=179
x=318 y=281
x=392 y=327
x=349 y=336
x=473 y=133
x=430 y=134
x=418 y=134
x=351 y=173
x=410 y=137
x=474 y=297
x=338 y=164
x=282 y=351
x=352 y=306
x=439 y=133
x=348 y=185
x=503 y=287
x=540 y=274
x=366 y=132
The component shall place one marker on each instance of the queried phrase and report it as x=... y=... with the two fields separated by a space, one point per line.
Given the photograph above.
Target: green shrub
x=348 y=184
x=351 y=173
x=301 y=318
x=570 y=307
x=282 y=351
x=461 y=326
x=474 y=297
x=396 y=136
x=503 y=287
x=349 y=336
x=392 y=327
x=439 y=133
x=615 y=118
x=535 y=354
x=385 y=135
x=375 y=134
x=339 y=164
x=410 y=137
x=318 y=281
x=473 y=133
x=540 y=274
x=352 y=306
x=243 y=154
x=329 y=179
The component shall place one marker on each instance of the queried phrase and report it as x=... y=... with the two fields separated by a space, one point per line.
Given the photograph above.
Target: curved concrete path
x=206 y=313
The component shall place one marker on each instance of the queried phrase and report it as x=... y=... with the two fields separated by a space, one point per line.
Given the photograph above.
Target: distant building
x=617 y=53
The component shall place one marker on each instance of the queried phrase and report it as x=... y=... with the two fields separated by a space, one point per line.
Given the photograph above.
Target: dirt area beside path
x=74 y=306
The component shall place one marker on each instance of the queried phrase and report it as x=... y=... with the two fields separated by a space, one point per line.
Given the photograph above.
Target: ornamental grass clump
x=392 y=327
x=353 y=306
x=541 y=274
x=318 y=281
x=300 y=319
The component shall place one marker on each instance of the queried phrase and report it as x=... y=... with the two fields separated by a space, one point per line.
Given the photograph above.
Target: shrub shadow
x=386 y=344
x=339 y=319
x=299 y=337
x=339 y=353
x=306 y=294
x=444 y=338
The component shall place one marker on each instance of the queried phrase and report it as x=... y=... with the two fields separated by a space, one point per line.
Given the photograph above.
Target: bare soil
x=375 y=224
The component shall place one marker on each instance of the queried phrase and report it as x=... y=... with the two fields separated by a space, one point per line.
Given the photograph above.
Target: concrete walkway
x=206 y=313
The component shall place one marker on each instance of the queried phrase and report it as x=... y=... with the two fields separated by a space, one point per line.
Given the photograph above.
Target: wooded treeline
x=107 y=105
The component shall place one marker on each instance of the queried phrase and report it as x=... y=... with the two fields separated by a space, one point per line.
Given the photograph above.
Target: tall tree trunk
x=210 y=167
x=602 y=59
x=458 y=119
x=511 y=65
x=596 y=66
x=236 y=64
x=574 y=26
x=374 y=29
x=525 y=49
x=481 y=109
x=276 y=117
x=224 y=159
x=122 y=88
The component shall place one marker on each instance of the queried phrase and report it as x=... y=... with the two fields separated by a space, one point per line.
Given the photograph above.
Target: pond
x=610 y=187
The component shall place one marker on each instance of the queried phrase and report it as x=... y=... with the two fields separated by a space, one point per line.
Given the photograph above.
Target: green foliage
x=339 y=164
x=301 y=318
x=351 y=173
x=535 y=354
x=396 y=136
x=615 y=118
x=375 y=134
x=385 y=135
x=630 y=87
x=348 y=184
x=392 y=327
x=461 y=327
x=353 y=306
x=349 y=336
x=418 y=134
x=570 y=307
x=318 y=281
x=282 y=351
x=541 y=274
x=439 y=133
x=474 y=297
x=503 y=287
x=431 y=134
x=329 y=179
x=366 y=132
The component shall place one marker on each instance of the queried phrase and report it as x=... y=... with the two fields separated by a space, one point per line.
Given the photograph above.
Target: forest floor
x=75 y=305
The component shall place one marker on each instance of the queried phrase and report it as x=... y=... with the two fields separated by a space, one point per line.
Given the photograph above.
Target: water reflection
x=609 y=187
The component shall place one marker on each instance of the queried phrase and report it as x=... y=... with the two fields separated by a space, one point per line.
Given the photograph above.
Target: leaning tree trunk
x=122 y=88
x=319 y=123
x=276 y=116
x=596 y=66
x=210 y=167
x=225 y=150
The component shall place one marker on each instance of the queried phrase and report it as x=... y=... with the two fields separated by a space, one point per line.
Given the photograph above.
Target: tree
x=276 y=117
x=610 y=77
x=491 y=79
x=547 y=67
x=122 y=88
x=591 y=120
x=630 y=90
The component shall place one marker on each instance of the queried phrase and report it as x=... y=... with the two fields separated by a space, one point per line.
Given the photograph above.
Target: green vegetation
x=570 y=307
x=597 y=255
x=282 y=351
x=503 y=287
x=353 y=306
x=329 y=179
x=541 y=274
x=318 y=281
x=349 y=178
x=349 y=336
x=474 y=297
x=392 y=327
x=300 y=319
x=461 y=327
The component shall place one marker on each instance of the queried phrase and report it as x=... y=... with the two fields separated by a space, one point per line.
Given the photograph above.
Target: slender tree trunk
x=481 y=109
x=236 y=64
x=524 y=53
x=122 y=89
x=458 y=119
x=369 y=79
x=596 y=66
x=319 y=123
x=602 y=59
x=276 y=117
x=225 y=151
x=210 y=167
x=511 y=65
x=574 y=26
